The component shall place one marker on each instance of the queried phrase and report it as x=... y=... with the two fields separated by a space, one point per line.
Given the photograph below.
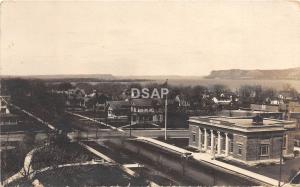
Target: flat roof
x=251 y=111
x=243 y=123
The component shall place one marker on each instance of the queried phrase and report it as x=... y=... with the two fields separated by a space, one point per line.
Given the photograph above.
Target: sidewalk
x=208 y=158
x=96 y=121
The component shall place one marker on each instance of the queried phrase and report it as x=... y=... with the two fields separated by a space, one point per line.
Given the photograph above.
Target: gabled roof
x=146 y=102
x=115 y=105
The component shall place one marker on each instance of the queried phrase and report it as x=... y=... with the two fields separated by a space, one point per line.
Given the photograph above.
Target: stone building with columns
x=244 y=139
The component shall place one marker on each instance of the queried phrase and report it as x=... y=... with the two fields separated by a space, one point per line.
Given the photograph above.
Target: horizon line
x=152 y=75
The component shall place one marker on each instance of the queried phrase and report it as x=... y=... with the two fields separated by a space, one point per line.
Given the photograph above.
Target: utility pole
x=280 y=164
x=131 y=115
x=166 y=112
x=95 y=115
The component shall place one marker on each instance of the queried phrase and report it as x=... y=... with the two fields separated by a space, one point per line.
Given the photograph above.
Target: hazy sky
x=148 y=37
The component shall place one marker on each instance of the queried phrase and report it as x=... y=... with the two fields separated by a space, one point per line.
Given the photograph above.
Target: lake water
x=235 y=84
x=232 y=84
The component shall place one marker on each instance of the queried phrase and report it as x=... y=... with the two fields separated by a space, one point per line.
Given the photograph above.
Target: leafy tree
x=64 y=86
x=219 y=89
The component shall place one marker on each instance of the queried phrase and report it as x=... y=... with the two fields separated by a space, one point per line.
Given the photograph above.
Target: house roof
x=247 y=113
x=295 y=115
x=244 y=124
x=141 y=102
x=115 y=105
x=146 y=102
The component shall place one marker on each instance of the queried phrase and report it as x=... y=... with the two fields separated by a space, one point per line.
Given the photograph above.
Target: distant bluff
x=289 y=74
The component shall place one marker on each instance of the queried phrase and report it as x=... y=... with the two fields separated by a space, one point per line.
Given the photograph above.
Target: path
x=70 y=165
x=27 y=167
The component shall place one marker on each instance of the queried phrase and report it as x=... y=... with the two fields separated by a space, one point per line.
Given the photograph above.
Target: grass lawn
x=96 y=175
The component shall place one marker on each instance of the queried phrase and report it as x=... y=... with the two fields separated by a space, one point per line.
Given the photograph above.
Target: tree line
x=37 y=96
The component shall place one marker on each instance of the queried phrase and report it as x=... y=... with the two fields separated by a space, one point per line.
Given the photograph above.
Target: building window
x=208 y=140
x=264 y=150
x=240 y=149
x=194 y=137
x=231 y=147
x=202 y=138
x=284 y=141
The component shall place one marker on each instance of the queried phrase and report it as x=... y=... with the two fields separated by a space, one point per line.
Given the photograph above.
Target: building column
x=285 y=147
x=226 y=144
x=205 y=139
x=200 y=139
x=212 y=145
x=219 y=143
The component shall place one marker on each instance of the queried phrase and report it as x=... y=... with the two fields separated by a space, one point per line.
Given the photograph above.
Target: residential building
x=138 y=111
x=293 y=106
x=250 y=140
x=268 y=108
x=294 y=112
x=287 y=95
x=9 y=119
x=3 y=105
x=295 y=116
x=222 y=101
x=147 y=111
x=286 y=109
x=75 y=99
x=6 y=117
x=180 y=101
x=118 y=109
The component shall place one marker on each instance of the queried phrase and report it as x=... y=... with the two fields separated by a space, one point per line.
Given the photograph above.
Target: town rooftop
x=243 y=123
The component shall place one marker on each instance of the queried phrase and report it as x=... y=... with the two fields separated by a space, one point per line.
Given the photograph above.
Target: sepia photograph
x=149 y=93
